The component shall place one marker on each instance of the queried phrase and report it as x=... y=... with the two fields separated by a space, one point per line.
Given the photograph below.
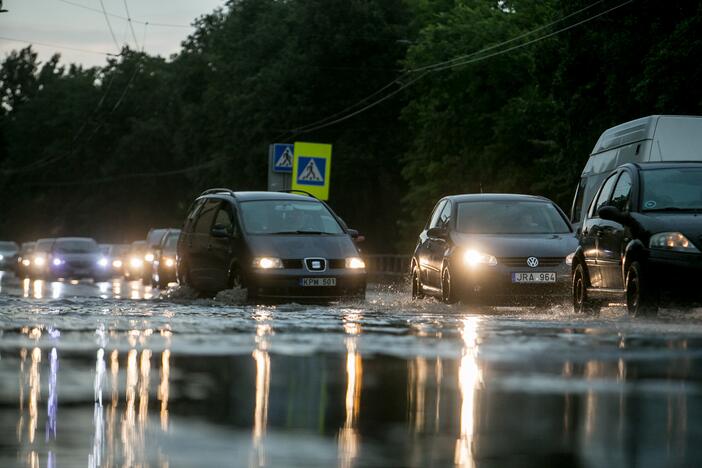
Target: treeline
x=459 y=96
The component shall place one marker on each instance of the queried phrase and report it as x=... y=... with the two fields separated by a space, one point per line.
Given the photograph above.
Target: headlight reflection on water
x=469 y=377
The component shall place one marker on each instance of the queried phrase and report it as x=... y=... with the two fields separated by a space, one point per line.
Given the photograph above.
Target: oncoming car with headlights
x=494 y=249
x=163 y=267
x=275 y=245
x=642 y=239
x=78 y=257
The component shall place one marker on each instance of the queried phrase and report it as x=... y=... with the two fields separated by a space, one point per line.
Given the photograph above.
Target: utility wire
x=131 y=26
x=109 y=26
x=457 y=61
x=124 y=18
x=57 y=46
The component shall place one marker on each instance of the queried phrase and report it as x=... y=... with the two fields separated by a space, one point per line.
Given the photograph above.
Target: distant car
x=494 y=249
x=39 y=268
x=78 y=257
x=8 y=255
x=117 y=255
x=276 y=245
x=153 y=240
x=642 y=239
x=24 y=259
x=164 y=264
x=134 y=266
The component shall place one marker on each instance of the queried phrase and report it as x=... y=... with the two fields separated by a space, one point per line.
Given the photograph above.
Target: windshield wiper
x=300 y=232
x=673 y=208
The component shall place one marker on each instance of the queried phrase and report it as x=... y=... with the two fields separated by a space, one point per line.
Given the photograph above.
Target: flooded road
x=114 y=374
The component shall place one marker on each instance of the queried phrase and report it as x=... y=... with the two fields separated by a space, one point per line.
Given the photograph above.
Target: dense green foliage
x=112 y=151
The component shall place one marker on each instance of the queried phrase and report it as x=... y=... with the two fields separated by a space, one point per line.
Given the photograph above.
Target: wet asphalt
x=119 y=374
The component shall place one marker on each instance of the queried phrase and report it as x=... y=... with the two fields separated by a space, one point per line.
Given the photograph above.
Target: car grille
x=292 y=264
x=78 y=264
x=296 y=264
x=316 y=264
x=522 y=261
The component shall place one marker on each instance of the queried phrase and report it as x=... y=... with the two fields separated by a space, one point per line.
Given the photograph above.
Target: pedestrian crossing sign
x=311 y=169
x=282 y=157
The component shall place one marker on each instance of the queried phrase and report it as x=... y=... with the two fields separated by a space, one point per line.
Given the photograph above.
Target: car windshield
x=7 y=246
x=510 y=217
x=288 y=217
x=171 y=241
x=75 y=246
x=671 y=189
x=44 y=245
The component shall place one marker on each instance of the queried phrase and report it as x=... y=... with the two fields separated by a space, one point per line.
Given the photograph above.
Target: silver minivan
x=649 y=139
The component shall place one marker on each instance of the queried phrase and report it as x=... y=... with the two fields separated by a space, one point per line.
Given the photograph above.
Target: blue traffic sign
x=283 y=157
x=311 y=171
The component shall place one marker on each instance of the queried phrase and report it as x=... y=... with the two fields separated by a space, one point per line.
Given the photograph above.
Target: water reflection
x=349 y=439
x=469 y=377
x=263 y=381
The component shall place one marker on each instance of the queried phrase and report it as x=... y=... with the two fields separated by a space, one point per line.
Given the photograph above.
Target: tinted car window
x=225 y=218
x=288 y=216
x=6 y=246
x=445 y=216
x=678 y=188
x=510 y=217
x=578 y=202
x=435 y=216
x=171 y=241
x=622 y=192
x=75 y=246
x=44 y=245
x=603 y=197
x=206 y=216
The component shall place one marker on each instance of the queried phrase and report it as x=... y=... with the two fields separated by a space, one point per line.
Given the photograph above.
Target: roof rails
x=218 y=190
x=298 y=191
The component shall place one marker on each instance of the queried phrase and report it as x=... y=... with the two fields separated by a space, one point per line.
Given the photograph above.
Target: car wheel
x=417 y=292
x=582 y=304
x=640 y=300
x=448 y=295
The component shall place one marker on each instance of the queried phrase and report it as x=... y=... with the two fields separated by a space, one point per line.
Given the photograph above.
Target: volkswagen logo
x=533 y=262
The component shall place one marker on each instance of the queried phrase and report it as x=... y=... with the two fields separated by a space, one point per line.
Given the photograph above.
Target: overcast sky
x=60 y=23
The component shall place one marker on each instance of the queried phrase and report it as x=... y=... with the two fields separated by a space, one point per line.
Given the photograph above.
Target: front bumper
x=78 y=271
x=675 y=274
x=287 y=284
x=493 y=285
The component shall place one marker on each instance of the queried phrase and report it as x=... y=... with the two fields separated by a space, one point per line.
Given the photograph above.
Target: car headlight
x=473 y=258
x=136 y=262
x=57 y=262
x=267 y=263
x=117 y=263
x=149 y=257
x=39 y=261
x=569 y=258
x=103 y=262
x=674 y=241
x=26 y=262
x=355 y=263
x=169 y=262
x=2 y=257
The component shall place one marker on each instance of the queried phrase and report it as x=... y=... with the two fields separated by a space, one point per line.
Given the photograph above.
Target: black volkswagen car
x=641 y=239
x=494 y=249
x=275 y=245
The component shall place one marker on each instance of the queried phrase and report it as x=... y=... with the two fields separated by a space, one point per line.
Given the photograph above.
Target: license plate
x=318 y=281
x=531 y=277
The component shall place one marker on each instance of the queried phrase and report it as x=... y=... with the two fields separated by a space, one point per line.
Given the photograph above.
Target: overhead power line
x=125 y=18
x=131 y=26
x=461 y=60
x=109 y=26
x=58 y=46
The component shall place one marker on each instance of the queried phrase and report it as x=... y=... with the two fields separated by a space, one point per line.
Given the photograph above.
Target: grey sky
x=63 y=24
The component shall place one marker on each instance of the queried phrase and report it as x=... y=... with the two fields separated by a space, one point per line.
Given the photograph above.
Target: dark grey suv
x=276 y=245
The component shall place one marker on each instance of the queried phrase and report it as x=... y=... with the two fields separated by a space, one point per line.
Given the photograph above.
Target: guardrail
x=388 y=266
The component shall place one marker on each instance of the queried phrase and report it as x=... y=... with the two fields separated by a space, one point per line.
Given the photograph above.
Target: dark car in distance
x=275 y=245
x=8 y=255
x=642 y=239
x=494 y=249
x=76 y=258
x=164 y=264
x=24 y=259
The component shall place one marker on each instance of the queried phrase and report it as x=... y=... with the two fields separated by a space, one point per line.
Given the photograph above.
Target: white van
x=654 y=138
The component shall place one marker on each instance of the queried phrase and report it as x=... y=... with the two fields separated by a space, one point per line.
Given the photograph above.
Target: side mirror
x=355 y=235
x=437 y=233
x=219 y=231
x=612 y=213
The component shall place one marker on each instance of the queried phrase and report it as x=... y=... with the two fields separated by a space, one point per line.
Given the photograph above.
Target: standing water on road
x=112 y=374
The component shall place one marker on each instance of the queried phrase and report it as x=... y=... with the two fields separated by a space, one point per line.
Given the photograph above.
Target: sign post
x=311 y=169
